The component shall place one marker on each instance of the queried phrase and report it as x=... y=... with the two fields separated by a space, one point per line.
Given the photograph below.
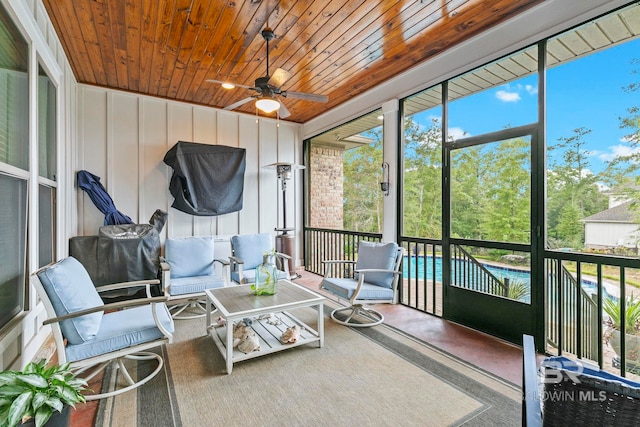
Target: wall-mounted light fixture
x=384 y=185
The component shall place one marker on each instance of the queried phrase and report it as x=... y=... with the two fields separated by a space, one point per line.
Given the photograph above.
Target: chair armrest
x=236 y=260
x=376 y=270
x=281 y=255
x=235 y=264
x=226 y=275
x=111 y=306
x=165 y=275
x=531 y=409
x=125 y=285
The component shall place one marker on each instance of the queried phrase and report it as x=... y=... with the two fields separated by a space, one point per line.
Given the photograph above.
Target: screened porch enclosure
x=500 y=184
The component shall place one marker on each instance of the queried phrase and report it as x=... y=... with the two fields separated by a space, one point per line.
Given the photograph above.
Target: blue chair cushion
x=250 y=275
x=193 y=285
x=344 y=288
x=70 y=289
x=122 y=329
x=377 y=255
x=561 y=362
x=250 y=248
x=190 y=256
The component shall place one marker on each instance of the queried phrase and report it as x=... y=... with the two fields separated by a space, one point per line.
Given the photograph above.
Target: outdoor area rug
x=370 y=376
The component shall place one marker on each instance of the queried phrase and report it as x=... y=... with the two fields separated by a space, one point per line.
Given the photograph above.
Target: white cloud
x=505 y=96
x=458 y=133
x=511 y=93
x=586 y=173
x=630 y=138
x=616 y=151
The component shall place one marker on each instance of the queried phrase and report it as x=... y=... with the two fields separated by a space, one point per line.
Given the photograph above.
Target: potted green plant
x=632 y=328
x=39 y=395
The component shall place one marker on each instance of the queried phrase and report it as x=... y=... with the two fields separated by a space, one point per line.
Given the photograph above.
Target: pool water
x=514 y=275
x=501 y=273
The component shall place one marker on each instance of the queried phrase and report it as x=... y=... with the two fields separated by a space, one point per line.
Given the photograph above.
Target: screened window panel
x=14 y=115
x=13 y=240
x=422 y=177
x=46 y=126
x=14 y=95
x=46 y=221
x=496 y=96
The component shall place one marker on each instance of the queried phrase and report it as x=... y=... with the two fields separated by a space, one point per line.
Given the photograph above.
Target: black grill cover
x=207 y=180
x=121 y=253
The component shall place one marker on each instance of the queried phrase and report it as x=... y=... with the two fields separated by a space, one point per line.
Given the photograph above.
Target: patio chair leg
x=190 y=307
x=119 y=366
x=358 y=316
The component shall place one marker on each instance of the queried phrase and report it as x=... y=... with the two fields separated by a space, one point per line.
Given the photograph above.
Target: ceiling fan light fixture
x=267 y=104
x=228 y=85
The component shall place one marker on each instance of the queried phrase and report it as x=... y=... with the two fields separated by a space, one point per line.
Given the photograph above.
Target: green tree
x=490 y=191
x=362 y=168
x=468 y=168
x=508 y=187
x=572 y=190
x=622 y=172
x=569 y=229
x=422 y=198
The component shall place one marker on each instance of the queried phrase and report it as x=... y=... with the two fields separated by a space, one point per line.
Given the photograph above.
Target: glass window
x=500 y=95
x=14 y=95
x=46 y=126
x=13 y=241
x=422 y=186
x=14 y=151
x=46 y=224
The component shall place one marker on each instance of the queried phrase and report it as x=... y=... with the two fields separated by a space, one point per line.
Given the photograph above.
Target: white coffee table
x=234 y=303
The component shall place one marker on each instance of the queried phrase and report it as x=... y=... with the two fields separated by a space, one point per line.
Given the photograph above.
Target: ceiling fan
x=269 y=87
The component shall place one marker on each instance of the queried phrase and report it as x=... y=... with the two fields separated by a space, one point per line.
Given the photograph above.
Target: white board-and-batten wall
x=123 y=138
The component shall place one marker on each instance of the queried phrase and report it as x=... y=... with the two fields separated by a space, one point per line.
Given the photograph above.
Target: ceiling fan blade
x=283 y=112
x=239 y=103
x=235 y=84
x=306 y=96
x=279 y=77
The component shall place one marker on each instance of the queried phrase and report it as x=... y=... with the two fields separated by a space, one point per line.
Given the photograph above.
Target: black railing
x=421 y=287
x=325 y=244
x=422 y=275
x=573 y=316
x=468 y=273
x=571 y=313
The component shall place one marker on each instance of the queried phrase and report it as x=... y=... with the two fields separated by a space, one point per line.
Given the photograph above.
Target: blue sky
x=586 y=92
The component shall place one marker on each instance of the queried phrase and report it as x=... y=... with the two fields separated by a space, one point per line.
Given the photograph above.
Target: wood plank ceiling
x=337 y=48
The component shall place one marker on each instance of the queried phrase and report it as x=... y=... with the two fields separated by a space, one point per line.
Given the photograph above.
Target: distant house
x=614 y=227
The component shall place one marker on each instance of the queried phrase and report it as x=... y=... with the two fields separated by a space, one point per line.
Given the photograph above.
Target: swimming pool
x=513 y=274
x=500 y=272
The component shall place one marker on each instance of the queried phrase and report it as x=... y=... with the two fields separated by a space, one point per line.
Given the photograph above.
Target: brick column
x=326 y=188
